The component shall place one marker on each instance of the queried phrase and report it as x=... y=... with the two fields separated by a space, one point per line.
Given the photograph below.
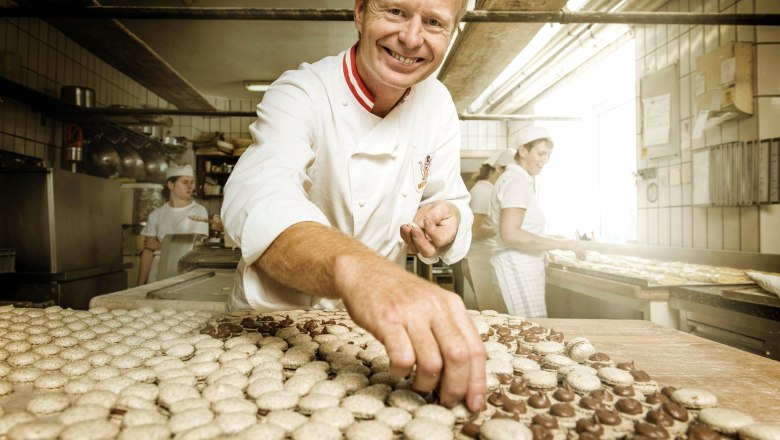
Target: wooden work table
x=741 y=380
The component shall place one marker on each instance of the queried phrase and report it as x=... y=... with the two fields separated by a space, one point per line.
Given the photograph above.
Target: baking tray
x=753 y=294
x=641 y=282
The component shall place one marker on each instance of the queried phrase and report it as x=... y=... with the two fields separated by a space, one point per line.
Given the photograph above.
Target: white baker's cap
x=179 y=170
x=531 y=133
x=501 y=158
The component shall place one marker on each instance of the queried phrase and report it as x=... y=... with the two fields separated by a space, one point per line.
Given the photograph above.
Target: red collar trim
x=355 y=84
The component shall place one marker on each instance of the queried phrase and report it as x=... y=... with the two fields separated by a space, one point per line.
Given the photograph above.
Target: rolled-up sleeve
x=267 y=190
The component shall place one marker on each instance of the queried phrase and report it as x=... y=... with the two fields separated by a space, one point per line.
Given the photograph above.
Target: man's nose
x=411 y=34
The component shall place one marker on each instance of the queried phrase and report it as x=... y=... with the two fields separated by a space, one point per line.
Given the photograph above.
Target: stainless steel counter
x=201 y=289
x=739 y=316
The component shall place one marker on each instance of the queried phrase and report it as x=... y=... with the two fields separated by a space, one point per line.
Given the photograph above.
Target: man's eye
x=395 y=11
x=434 y=22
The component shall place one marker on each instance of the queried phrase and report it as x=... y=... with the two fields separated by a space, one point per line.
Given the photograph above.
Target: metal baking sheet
x=641 y=282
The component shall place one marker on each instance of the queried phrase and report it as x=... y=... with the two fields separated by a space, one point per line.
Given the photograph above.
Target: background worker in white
x=518 y=262
x=179 y=215
x=348 y=152
x=479 y=275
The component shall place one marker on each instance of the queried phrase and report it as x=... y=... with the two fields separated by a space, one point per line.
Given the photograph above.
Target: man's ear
x=360 y=9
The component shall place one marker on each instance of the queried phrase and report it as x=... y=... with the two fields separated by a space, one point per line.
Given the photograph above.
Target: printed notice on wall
x=656 y=120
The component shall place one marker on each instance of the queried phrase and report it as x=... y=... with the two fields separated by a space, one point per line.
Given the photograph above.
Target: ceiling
x=183 y=61
x=218 y=56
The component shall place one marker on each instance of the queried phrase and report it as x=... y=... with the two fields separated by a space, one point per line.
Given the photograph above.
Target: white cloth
x=320 y=155
x=167 y=220
x=519 y=274
x=515 y=189
x=520 y=280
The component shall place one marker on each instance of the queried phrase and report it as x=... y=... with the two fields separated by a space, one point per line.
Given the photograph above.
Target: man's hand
x=420 y=324
x=434 y=227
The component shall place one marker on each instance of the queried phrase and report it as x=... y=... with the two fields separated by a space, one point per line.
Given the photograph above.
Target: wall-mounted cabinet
x=723 y=81
x=212 y=173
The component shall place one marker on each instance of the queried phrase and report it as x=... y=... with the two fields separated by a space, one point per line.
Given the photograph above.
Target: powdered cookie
x=437 y=413
x=266 y=431
x=289 y=421
x=316 y=431
x=725 y=421
x=23 y=375
x=337 y=417
x=37 y=430
x=157 y=431
x=504 y=429
x=80 y=413
x=369 y=430
x=52 y=380
x=362 y=406
x=234 y=405
x=48 y=404
x=395 y=418
x=427 y=429
x=277 y=400
x=405 y=399
x=90 y=430
x=187 y=420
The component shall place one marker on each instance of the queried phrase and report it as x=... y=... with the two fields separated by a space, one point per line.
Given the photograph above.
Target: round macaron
x=615 y=376
x=760 y=431
x=541 y=380
x=726 y=421
x=694 y=398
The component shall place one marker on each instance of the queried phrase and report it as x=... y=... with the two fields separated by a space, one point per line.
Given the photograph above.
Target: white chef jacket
x=515 y=189
x=167 y=220
x=320 y=155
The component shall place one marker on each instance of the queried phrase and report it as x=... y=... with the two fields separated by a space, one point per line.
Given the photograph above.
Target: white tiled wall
x=754 y=229
x=39 y=56
x=483 y=135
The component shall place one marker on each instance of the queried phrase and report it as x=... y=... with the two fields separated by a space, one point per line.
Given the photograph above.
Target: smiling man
x=355 y=162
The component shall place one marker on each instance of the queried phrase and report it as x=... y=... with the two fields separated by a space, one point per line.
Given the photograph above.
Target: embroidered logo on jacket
x=425 y=167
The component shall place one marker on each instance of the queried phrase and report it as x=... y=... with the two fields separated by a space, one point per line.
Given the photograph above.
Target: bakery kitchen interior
x=631 y=147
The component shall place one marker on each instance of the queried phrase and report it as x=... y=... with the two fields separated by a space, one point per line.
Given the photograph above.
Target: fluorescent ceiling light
x=257 y=86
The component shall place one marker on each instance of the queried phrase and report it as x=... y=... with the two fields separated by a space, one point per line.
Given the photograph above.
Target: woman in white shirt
x=520 y=240
x=477 y=268
x=180 y=215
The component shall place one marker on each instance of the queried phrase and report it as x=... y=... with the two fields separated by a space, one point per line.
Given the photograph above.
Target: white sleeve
x=480 y=199
x=267 y=190
x=150 y=230
x=515 y=194
x=446 y=183
x=201 y=227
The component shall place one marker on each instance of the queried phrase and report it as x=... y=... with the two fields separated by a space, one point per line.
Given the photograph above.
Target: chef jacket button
x=403 y=194
x=362 y=203
x=344 y=103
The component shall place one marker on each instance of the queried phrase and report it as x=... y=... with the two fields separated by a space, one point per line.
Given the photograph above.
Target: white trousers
x=521 y=280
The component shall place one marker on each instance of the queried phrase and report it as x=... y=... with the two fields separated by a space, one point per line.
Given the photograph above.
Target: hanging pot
x=132 y=163
x=102 y=160
x=155 y=165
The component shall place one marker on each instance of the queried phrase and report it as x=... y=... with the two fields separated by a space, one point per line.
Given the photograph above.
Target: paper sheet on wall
x=700 y=125
x=701 y=177
x=656 y=120
x=728 y=69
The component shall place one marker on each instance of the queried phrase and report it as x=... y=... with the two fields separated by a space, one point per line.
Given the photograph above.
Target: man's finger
x=429 y=360
x=422 y=243
x=399 y=349
x=406 y=236
x=475 y=383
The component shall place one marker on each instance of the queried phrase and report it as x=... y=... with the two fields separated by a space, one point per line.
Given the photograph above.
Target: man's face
x=402 y=42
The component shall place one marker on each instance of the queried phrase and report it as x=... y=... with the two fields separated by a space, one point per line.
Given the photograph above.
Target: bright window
x=589 y=186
